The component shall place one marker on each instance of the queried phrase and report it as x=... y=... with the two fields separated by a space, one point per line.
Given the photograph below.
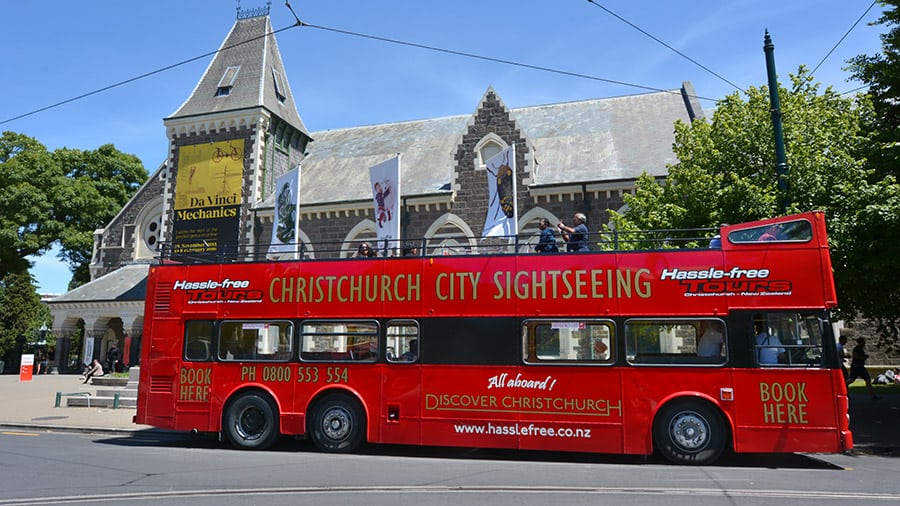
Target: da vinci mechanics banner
x=208 y=200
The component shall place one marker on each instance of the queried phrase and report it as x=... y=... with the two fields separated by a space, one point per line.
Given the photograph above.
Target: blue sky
x=64 y=49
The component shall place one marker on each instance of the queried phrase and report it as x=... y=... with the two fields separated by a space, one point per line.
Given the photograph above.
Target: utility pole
x=781 y=168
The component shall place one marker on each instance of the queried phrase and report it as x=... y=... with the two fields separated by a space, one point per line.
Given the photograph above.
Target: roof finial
x=253 y=13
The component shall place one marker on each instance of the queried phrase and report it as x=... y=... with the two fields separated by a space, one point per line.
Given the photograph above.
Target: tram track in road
x=558 y=493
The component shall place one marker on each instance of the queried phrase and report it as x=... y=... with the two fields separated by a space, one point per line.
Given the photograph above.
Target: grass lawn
x=859 y=387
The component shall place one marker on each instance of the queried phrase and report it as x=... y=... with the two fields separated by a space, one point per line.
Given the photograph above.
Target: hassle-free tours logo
x=736 y=281
x=211 y=291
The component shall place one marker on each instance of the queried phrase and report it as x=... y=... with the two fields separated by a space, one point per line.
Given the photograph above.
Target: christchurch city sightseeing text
x=455 y=286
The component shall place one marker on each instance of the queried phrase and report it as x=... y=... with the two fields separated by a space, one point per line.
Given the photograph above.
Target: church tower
x=228 y=142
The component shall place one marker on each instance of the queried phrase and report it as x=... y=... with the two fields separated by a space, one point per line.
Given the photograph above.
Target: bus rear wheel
x=689 y=432
x=251 y=421
x=337 y=424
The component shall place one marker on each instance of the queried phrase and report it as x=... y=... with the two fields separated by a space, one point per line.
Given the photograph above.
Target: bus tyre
x=251 y=421
x=337 y=424
x=689 y=432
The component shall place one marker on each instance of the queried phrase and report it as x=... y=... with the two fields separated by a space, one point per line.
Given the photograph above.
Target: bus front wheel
x=337 y=424
x=689 y=432
x=251 y=422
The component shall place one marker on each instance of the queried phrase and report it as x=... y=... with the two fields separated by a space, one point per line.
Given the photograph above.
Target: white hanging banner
x=502 y=214
x=385 y=180
x=286 y=227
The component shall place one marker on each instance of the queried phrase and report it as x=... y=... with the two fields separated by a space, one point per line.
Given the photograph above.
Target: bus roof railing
x=442 y=245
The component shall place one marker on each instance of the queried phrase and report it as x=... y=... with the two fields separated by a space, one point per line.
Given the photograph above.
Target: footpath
x=30 y=405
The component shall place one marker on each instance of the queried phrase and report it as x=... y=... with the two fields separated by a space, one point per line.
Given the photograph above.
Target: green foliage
x=99 y=184
x=881 y=73
x=26 y=171
x=70 y=193
x=726 y=174
x=21 y=315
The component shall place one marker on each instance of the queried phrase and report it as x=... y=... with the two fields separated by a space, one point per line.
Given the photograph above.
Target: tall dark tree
x=874 y=253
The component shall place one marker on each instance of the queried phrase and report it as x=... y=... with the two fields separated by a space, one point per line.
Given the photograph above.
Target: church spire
x=246 y=72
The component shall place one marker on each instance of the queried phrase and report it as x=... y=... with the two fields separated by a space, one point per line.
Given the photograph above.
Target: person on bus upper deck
x=412 y=352
x=365 y=251
x=768 y=347
x=771 y=234
x=711 y=339
x=547 y=243
x=410 y=250
x=576 y=237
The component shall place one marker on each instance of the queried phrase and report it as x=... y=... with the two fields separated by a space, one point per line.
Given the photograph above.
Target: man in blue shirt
x=547 y=243
x=576 y=237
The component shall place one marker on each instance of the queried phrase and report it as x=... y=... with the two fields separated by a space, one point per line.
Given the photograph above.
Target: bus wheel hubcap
x=251 y=423
x=690 y=431
x=337 y=423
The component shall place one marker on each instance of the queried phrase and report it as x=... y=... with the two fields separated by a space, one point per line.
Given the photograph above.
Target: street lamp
x=44 y=329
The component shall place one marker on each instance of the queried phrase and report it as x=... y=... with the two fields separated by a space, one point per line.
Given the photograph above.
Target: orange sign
x=27 y=367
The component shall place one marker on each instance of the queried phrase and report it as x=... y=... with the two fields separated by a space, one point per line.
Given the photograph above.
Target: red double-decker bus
x=687 y=351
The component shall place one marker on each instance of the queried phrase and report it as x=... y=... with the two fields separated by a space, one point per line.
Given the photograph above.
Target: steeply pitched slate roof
x=128 y=283
x=247 y=47
x=590 y=140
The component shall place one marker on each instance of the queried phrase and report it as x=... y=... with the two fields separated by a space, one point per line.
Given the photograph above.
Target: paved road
x=157 y=467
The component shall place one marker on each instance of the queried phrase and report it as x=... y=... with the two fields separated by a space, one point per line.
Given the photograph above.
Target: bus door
x=791 y=400
x=194 y=375
x=401 y=385
x=161 y=374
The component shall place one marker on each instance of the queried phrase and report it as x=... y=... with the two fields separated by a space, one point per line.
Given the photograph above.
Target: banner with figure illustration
x=207 y=201
x=502 y=216
x=286 y=224
x=385 y=180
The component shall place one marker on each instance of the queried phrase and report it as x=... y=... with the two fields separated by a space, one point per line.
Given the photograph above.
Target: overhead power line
x=686 y=57
x=495 y=60
x=137 y=78
x=838 y=43
x=854 y=90
x=354 y=34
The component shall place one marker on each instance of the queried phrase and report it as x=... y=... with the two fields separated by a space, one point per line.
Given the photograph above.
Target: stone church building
x=570 y=157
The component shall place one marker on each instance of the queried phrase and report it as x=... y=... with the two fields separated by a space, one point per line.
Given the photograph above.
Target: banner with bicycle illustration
x=207 y=200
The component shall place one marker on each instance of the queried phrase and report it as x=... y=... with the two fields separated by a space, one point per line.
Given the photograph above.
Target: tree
x=21 y=315
x=881 y=72
x=70 y=193
x=726 y=174
x=98 y=184
x=27 y=171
